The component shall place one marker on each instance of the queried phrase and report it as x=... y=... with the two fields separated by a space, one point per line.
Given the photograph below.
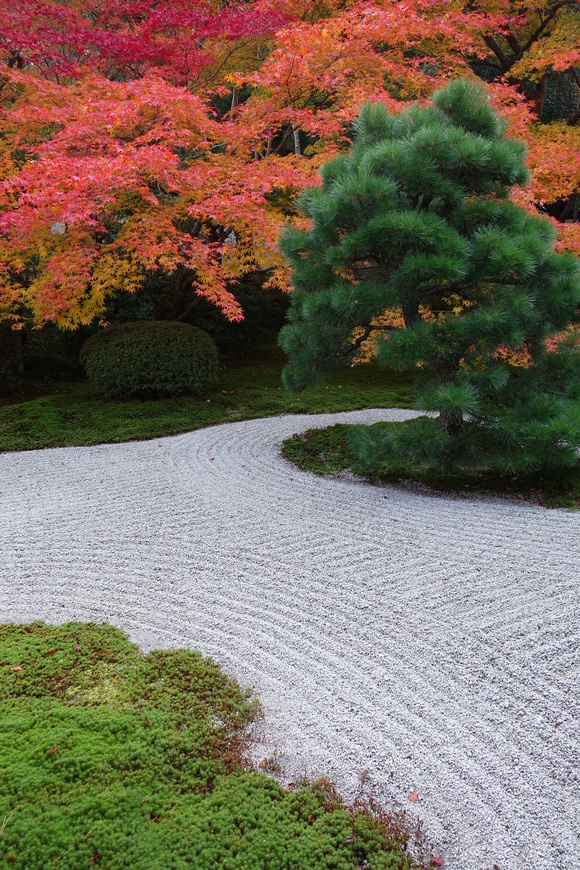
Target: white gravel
x=432 y=640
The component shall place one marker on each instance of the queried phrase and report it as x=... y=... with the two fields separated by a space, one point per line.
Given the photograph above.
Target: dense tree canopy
x=141 y=137
x=416 y=218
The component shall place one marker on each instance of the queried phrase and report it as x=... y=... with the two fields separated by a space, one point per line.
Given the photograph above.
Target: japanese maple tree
x=144 y=136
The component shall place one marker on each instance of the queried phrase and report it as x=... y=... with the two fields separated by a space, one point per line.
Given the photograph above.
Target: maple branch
x=514 y=44
x=505 y=62
x=15 y=58
x=219 y=67
x=549 y=17
x=434 y=289
x=191 y=307
x=279 y=147
x=351 y=347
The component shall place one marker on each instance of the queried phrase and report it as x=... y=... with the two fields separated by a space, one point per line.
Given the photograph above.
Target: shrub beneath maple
x=417 y=217
x=150 y=358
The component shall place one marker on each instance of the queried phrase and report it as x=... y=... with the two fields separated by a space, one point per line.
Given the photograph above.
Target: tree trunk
x=181 y=287
x=296 y=134
x=18 y=360
x=190 y=308
x=410 y=313
x=540 y=95
x=451 y=421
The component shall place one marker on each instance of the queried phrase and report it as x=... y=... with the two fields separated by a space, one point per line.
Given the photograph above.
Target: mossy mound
x=115 y=759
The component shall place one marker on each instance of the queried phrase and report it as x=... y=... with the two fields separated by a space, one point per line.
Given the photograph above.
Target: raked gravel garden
x=423 y=646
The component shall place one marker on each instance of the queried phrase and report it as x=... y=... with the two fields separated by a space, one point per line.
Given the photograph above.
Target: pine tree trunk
x=410 y=313
x=451 y=421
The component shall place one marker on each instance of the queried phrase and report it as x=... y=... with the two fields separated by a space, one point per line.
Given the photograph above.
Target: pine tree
x=417 y=217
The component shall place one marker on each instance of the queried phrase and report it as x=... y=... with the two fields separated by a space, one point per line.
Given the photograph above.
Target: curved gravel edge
x=432 y=641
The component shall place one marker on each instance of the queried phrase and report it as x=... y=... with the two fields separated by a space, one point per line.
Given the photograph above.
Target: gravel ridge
x=431 y=640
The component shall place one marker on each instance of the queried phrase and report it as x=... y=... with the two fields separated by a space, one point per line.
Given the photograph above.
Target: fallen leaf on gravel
x=436 y=861
x=363 y=774
x=17 y=668
x=413 y=797
x=501 y=640
x=212 y=459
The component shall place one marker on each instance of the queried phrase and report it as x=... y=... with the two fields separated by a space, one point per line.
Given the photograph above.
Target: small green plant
x=124 y=761
x=150 y=358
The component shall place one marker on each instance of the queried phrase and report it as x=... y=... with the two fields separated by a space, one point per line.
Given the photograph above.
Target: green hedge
x=150 y=358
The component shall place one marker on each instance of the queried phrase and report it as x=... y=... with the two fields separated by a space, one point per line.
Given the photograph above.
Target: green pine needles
x=417 y=217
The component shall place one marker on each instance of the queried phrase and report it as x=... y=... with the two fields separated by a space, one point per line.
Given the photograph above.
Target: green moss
x=114 y=759
x=60 y=414
x=328 y=451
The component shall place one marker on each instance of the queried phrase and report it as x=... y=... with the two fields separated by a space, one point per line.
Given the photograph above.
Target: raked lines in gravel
x=432 y=640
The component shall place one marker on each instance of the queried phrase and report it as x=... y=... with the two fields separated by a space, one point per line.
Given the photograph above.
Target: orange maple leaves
x=106 y=180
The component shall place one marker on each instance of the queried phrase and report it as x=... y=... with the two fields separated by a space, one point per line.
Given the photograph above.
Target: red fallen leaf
x=17 y=668
x=436 y=861
x=77 y=648
x=395 y=521
x=50 y=652
x=413 y=797
x=211 y=459
x=50 y=751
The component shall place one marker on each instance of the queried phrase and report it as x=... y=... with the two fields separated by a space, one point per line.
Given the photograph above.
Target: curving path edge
x=432 y=640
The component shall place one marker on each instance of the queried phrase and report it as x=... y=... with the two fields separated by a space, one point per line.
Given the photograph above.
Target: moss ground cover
x=56 y=413
x=116 y=759
x=327 y=451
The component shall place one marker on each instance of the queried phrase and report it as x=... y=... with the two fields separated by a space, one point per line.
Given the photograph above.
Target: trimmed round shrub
x=150 y=358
